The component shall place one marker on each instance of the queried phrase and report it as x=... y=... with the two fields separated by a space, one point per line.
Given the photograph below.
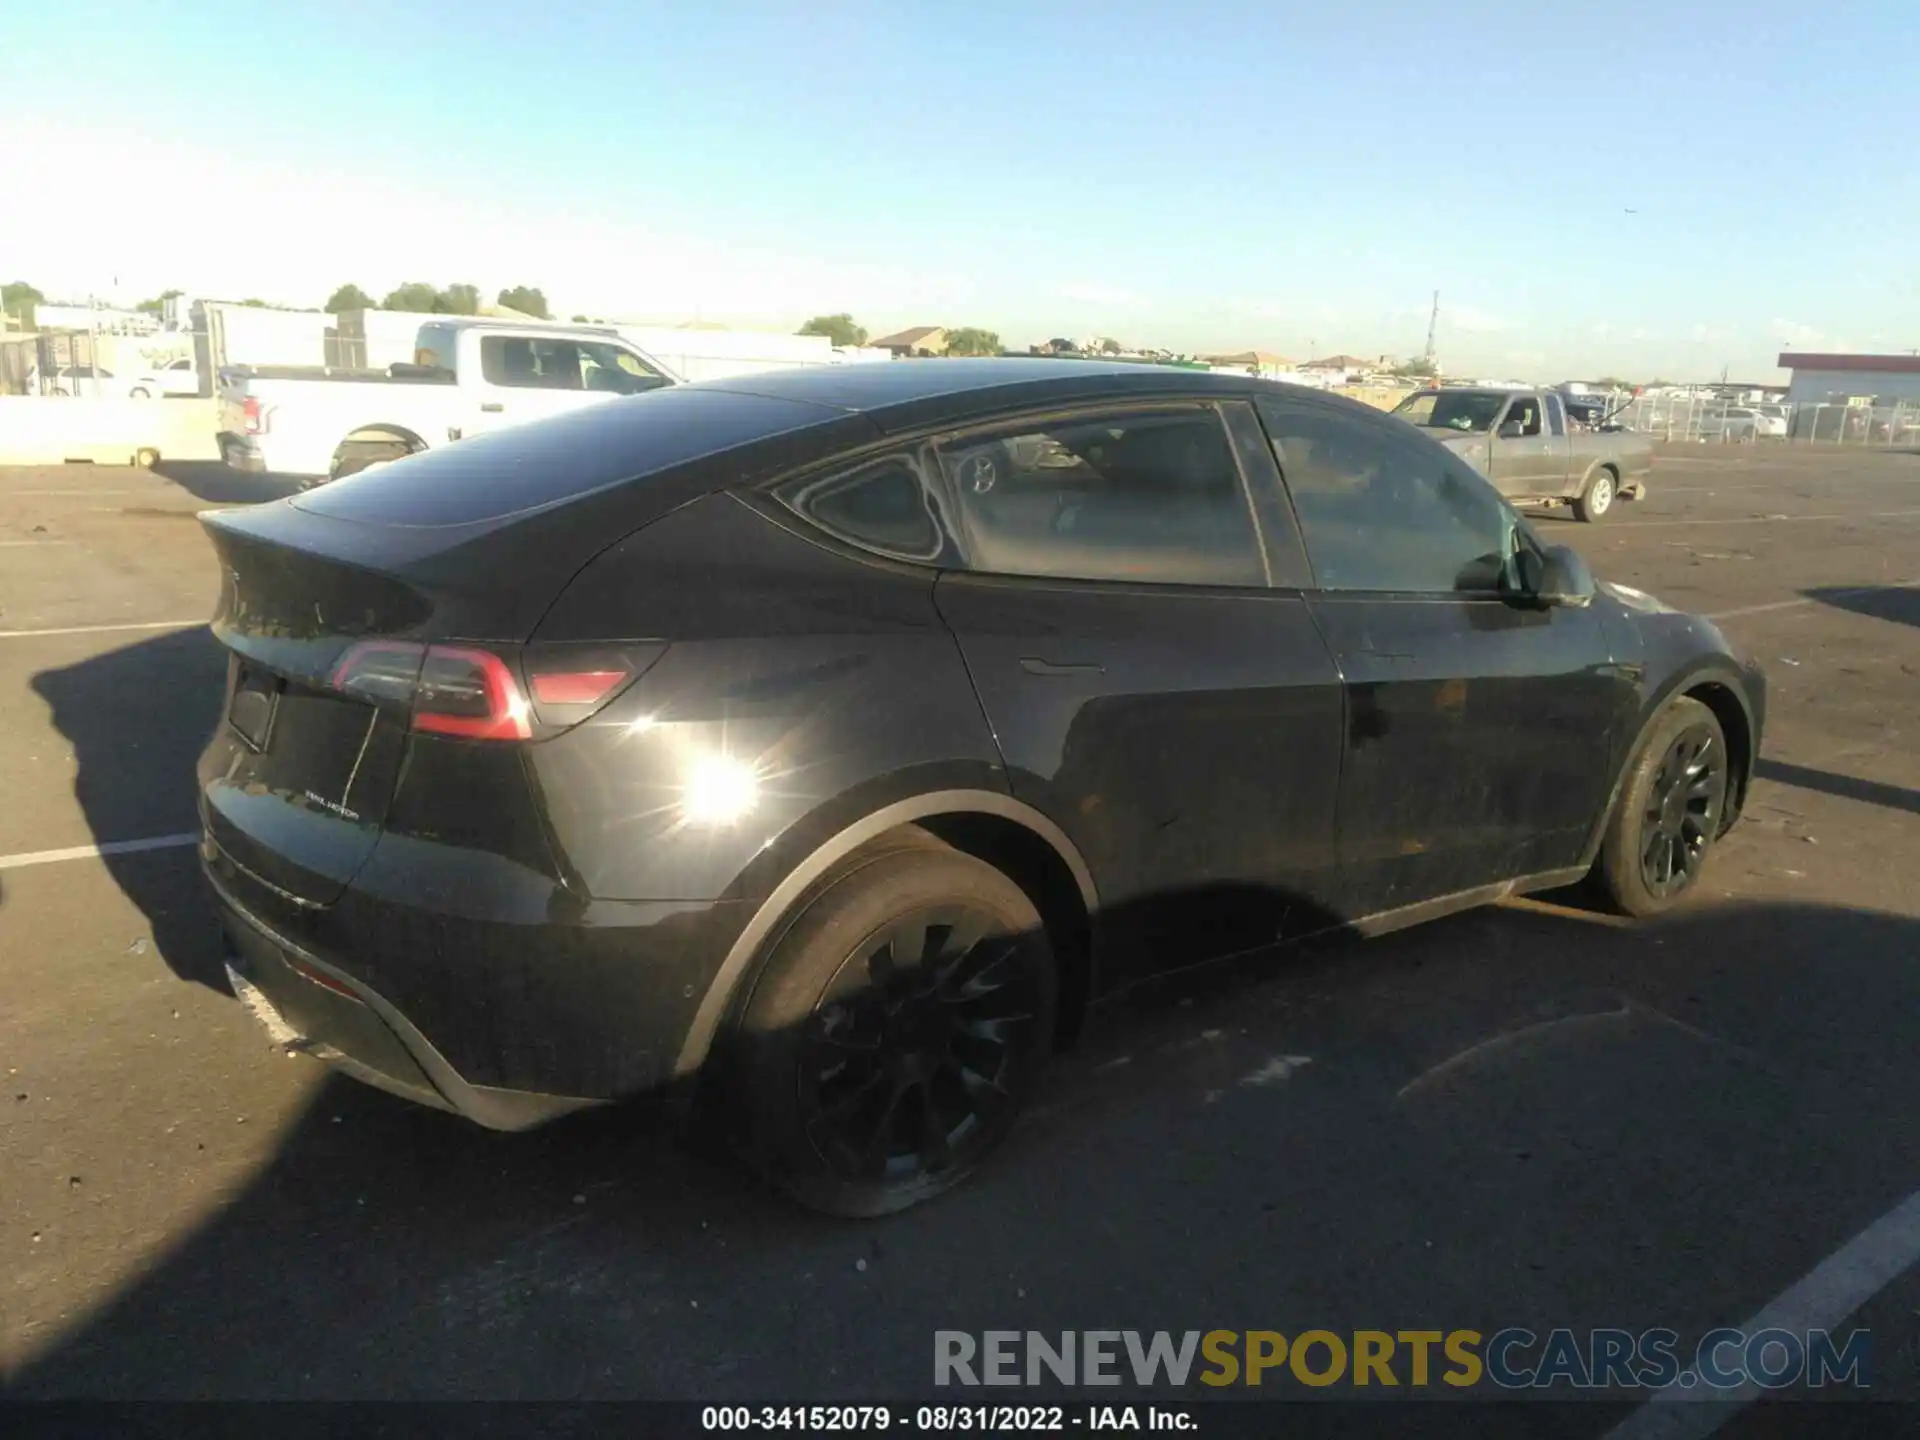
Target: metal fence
x=1713 y=420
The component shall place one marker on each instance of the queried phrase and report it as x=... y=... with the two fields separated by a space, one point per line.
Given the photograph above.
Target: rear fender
x=735 y=978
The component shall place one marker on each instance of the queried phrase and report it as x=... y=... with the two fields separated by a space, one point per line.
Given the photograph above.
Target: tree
x=157 y=305
x=349 y=297
x=257 y=304
x=1060 y=345
x=1109 y=346
x=1415 y=369
x=840 y=329
x=971 y=340
x=18 y=299
x=1614 y=382
x=527 y=301
x=458 y=300
x=415 y=295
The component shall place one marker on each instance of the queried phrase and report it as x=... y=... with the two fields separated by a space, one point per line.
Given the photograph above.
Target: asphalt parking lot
x=1529 y=1115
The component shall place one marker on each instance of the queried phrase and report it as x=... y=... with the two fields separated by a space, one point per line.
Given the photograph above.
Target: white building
x=1836 y=379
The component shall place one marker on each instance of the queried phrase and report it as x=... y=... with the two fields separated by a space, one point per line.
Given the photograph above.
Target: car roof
x=905 y=394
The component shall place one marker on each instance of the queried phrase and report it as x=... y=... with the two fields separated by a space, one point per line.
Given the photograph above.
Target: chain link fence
x=1714 y=420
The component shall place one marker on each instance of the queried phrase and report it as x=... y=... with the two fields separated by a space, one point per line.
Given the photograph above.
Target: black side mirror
x=1559 y=579
x=1512 y=430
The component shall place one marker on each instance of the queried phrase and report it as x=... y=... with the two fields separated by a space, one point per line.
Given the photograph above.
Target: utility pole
x=1433 y=326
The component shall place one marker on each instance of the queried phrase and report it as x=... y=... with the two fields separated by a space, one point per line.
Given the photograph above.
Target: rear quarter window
x=548 y=462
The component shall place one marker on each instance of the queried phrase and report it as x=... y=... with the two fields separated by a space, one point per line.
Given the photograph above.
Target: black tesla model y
x=827 y=743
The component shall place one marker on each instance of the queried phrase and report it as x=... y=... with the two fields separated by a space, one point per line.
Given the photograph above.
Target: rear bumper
x=308 y=1005
x=242 y=454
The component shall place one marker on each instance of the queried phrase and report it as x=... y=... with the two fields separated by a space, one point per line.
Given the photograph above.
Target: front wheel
x=899 y=1029
x=1597 y=499
x=1669 y=812
x=139 y=392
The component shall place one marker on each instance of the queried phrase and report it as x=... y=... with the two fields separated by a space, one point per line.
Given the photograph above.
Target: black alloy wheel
x=1682 y=813
x=901 y=1024
x=1671 y=809
x=907 y=1062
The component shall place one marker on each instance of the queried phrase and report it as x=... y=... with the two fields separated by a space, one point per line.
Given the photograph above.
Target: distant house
x=919 y=340
x=1263 y=363
x=1344 y=363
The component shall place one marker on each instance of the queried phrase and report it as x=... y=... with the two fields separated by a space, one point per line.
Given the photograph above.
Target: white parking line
x=1833 y=1290
x=89 y=852
x=102 y=629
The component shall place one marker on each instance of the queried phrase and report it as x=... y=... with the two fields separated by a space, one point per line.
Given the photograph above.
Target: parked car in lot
x=823 y=745
x=1521 y=440
x=176 y=377
x=470 y=376
x=70 y=380
x=1741 y=423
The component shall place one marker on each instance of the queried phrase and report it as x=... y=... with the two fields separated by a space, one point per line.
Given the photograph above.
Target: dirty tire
x=900 y=1026
x=1669 y=813
x=353 y=456
x=1596 y=501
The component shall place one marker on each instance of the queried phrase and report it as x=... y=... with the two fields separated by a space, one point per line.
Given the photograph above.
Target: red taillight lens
x=448 y=689
x=469 y=693
x=473 y=694
x=574 y=687
x=250 y=410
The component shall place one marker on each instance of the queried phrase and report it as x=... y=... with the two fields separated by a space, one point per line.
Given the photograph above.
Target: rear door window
x=1151 y=495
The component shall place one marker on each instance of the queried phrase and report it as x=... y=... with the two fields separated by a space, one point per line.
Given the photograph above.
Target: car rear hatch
x=296 y=782
x=400 y=601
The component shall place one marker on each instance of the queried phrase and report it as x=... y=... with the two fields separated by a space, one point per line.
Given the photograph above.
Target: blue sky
x=1231 y=174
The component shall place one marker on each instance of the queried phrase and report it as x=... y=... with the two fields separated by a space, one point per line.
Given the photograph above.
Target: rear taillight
x=471 y=694
x=255 y=421
x=474 y=694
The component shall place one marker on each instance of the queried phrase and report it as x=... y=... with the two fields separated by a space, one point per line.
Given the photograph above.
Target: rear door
x=1150 y=670
x=1479 y=729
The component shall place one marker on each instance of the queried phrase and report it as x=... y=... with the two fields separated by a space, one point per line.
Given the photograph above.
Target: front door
x=527 y=376
x=1479 y=727
x=1175 y=713
x=1525 y=460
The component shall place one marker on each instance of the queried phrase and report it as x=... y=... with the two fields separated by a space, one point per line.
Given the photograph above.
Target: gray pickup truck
x=1533 y=451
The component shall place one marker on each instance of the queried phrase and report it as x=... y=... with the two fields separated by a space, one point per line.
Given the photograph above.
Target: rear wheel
x=353 y=456
x=1669 y=812
x=900 y=1026
x=1597 y=499
x=139 y=392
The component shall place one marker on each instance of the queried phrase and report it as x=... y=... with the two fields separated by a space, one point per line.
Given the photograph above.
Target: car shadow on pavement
x=137 y=719
x=1899 y=603
x=1847 y=787
x=220 y=484
x=1511 y=1117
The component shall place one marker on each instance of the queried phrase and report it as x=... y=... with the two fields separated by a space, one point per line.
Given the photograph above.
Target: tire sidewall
x=1619 y=865
x=764 y=1053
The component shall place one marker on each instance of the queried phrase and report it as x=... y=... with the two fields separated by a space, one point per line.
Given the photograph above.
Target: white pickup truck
x=469 y=376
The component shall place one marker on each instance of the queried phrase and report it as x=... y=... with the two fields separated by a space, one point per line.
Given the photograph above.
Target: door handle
x=1035 y=666
x=492 y=407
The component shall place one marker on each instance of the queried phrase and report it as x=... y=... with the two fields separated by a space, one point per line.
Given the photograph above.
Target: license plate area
x=255 y=702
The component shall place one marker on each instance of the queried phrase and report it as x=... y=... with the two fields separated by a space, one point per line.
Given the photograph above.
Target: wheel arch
x=382 y=430
x=1007 y=833
x=1715 y=685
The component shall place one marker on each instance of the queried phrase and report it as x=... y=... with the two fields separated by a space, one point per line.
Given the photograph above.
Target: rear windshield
x=529 y=467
